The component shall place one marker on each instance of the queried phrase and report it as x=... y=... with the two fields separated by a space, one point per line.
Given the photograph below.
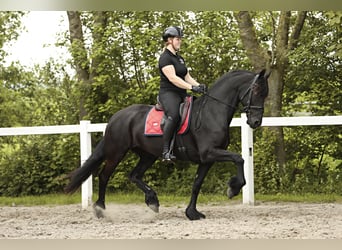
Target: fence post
x=85 y=146
x=247 y=155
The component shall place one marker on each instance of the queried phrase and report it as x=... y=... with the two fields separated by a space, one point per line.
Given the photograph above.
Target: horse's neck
x=214 y=112
x=225 y=92
x=222 y=99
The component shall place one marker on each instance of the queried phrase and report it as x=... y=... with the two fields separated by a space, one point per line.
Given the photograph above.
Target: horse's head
x=253 y=99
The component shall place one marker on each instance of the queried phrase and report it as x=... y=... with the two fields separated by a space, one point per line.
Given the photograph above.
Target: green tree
x=10 y=27
x=36 y=164
x=210 y=45
x=310 y=84
x=283 y=32
x=28 y=97
x=312 y=88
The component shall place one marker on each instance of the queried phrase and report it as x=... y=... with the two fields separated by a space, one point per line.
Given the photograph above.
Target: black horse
x=205 y=142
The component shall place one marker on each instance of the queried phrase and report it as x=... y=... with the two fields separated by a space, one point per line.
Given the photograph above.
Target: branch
x=297 y=29
x=255 y=52
x=274 y=35
x=99 y=27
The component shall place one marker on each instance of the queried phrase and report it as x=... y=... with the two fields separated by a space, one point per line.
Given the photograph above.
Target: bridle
x=248 y=92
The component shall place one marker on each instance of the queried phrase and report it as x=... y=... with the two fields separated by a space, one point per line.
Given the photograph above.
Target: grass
x=51 y=199
x=165 y=199
x=309 y=198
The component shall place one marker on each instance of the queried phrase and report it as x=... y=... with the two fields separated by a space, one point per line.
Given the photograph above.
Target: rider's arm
x=170 y=72
x=192 y=81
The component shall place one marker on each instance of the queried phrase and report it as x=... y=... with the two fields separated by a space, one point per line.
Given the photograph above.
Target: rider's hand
x=202 y=88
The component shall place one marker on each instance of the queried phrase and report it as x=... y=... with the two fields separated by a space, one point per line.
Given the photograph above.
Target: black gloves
x=202 y=88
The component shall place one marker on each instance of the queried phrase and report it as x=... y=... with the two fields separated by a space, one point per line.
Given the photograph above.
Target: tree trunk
x=86 y=70
x=79 y=54
x=273 y=109
x=276 y=81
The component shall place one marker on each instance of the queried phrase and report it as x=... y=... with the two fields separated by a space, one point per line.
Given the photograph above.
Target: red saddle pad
x=154 y=118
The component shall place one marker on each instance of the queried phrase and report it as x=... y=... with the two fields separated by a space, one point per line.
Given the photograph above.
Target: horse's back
x=131 y=114
x=125 y=130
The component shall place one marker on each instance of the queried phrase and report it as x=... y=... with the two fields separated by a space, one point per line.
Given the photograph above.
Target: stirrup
x=168 y=156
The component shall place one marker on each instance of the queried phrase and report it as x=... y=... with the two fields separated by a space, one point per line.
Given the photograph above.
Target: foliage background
x=120 y=56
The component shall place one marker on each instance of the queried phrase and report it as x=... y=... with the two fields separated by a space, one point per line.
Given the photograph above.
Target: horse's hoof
x=152 y=201
x=234 y=187
x=230 y=193
x=193 y=214
x=98 y=211
x=155 y=208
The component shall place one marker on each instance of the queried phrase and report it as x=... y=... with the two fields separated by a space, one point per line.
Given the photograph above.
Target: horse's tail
x=78 y=176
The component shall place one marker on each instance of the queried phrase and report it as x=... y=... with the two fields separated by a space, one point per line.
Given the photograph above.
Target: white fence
x=85 y=128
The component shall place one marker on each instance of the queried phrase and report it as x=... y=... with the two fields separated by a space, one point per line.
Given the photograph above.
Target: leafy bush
x=34 y=165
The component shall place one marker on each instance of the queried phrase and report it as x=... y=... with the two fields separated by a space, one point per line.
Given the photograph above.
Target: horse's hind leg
x=104 y=176
x=146 y=161
x=191 y=211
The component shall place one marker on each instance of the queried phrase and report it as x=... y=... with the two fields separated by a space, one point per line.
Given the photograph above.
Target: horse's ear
x=265 y=74
x=262 y=73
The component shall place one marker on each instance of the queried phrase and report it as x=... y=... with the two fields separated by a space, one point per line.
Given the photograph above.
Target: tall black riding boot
x=168 y=133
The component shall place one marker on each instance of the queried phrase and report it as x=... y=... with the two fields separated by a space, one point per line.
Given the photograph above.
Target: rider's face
x=176 y=42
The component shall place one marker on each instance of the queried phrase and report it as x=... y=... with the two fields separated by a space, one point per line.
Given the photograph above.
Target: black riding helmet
x=172 y=31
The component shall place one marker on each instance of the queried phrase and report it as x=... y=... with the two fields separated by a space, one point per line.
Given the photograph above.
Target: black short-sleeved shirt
x=168 y=58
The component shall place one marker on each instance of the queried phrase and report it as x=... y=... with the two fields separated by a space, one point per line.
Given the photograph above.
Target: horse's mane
x=229 y=77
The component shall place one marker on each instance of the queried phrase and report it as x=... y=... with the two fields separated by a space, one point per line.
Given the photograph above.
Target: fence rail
x=85 y=128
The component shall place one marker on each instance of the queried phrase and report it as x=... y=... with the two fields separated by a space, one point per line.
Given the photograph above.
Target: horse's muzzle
x=254 y=124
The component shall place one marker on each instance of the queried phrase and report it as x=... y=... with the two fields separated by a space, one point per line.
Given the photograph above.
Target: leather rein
x=248 y=92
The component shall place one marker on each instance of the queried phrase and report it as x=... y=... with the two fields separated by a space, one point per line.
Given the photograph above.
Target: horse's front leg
x=191 y=211
x=136 y=176
x=236 y=183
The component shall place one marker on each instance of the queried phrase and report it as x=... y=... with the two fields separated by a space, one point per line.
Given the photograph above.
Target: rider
x=175 y=79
